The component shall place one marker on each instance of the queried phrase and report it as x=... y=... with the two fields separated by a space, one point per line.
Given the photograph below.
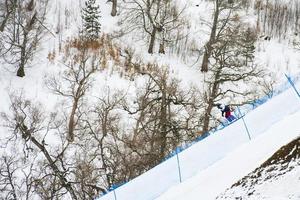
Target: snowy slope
x=215 y=163
x=277 y=178
x=209 y=183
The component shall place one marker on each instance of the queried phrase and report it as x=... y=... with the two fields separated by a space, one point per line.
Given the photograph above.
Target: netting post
x=178 y=165
x=115 y=195
x=246 y=127
x=292 y=84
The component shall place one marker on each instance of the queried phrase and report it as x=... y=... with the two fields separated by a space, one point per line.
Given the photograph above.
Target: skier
x=226 y=109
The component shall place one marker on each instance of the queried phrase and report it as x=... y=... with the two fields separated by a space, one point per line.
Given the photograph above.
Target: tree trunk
x=162 y=48
x=21 y=71
x=266 y=14
x=23 y=57
x=152 y=40
x=297 y=17
x=211 y=100
x=204 y=66
x=208 y=47
x=30 y=6
x=57 y=172
x=207 y=117
x=114 y=8
x=163 y=121
x=71 y=124
x=3 y=24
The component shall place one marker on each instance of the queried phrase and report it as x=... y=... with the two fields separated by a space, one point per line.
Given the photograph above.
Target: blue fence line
x=239 y=115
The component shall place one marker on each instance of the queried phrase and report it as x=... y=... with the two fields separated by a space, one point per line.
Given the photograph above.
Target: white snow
x=209 y=183
x=212 y=165
x=284 y=187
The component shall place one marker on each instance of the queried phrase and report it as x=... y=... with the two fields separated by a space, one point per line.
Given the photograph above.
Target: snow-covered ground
x=282 y=188
x=277 y=178
x=285 y=187
x=209 y=183
x=212 y=165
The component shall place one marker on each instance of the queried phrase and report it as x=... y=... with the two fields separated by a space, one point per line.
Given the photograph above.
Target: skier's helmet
x=221 y=106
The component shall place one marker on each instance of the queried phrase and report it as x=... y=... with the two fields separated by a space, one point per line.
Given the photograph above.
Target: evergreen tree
x=91 y=24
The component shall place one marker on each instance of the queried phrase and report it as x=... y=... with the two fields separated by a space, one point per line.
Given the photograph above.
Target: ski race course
x=210 y=166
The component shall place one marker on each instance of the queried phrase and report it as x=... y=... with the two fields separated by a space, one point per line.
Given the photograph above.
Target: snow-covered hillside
x=277 y=178
x=128 y=109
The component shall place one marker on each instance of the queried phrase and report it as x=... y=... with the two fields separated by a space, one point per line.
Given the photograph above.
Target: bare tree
x=17 y=179
x=82 y=60
x=9 y=7
x=278 y=18
x=151 y=18
x=222 y=16
x=7 y=179
x=101 y=125
x=160 y=123
x=233 y=65
x=74 y=83
x=23 y=31
x=61 y=170
x=28 y=121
